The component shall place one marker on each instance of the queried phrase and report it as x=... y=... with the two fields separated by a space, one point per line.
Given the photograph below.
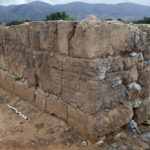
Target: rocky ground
x=43 y=131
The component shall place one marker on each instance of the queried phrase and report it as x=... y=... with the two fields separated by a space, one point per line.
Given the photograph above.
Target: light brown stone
x=102 y=123
x=43 y=36
x=94 y=38
x=57 y=107
x=130 y=76
x=18 y=88
x=65 y=33
x=144 y=80
x=81 y=122
x=49 y=72
x=22 y=90
x=130 y=62
x=111 y=120
x=79 y=71
x=142 y=113
x=6 y=81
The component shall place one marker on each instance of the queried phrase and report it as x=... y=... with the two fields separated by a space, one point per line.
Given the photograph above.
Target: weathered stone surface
x=49 y=72
x=22 y=64
x=6 y=81
x=65 y=33
x=142 y=113
x=82 y=80
x=144 y=80
x=18 y=88
x=130 y=62
x=101 y=124
x=22 y=90
x=94 y=38
x=111 y=120
x=88 y=73
x=57 y=107
x=43 y=36
x=81 y=122
x=51 y=103
x=146 y=28
x=130 y=76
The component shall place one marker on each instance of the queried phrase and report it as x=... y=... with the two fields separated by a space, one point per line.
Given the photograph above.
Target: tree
x=145 y=20
x=59 y=16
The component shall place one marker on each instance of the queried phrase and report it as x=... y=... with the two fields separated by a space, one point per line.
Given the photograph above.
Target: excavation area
x=82 y=85
x=45 y=131
x=41 y=131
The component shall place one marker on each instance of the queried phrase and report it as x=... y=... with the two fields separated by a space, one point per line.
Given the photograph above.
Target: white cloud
x=10 y=2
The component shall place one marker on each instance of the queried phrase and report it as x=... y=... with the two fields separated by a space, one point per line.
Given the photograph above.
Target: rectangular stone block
x=81 y=122
x=40 y=99
x=57 y=107
x=19 y=61
x=144 y=80
x=18 y=88
x=6 y=81
x=43 y=36
x=96 y=126
x=108 y=121
x=66 y=31
x=22 y=90
x=48 y=72
x=51 y=104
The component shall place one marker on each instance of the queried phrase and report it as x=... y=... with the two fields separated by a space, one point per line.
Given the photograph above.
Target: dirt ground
x=43 y=131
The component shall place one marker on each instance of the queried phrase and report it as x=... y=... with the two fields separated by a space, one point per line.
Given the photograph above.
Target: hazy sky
x=10 y=2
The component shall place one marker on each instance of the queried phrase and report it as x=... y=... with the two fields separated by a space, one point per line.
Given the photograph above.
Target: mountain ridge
x=38 y=10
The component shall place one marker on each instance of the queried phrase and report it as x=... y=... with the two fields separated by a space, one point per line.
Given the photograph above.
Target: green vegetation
x=17 y=22
x=59 y=16
x=145 y=20
x=109 y=19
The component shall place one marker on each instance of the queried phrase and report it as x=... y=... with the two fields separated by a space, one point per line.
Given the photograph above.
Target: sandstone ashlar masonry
x=88 y=73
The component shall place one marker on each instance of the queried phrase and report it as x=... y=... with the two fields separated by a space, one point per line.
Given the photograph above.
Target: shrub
x=145 y=20
x=17 y=22
x=59 y=16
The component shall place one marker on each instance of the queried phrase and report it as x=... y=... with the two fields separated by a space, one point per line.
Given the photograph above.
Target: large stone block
x=51 y=104
x=81 y=122
x=83 y=72
x=94 y=38
x=22 y=90
x=43 y=36
x=57 y=107
x=146 y=28
x=144 y=80
x=18 y=88
x=40 y=99
x=108 y=121
x=21 y=63
x=90 y=87
x=65 y=33
x=130 y=76
x=104 y=122
x=49 y=72
x=6 y=81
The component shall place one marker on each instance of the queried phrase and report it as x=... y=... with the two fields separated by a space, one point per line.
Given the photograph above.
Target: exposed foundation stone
x=88 y=73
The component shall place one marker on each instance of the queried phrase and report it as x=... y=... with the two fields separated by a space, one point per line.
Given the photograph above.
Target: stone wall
x=90 y=73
